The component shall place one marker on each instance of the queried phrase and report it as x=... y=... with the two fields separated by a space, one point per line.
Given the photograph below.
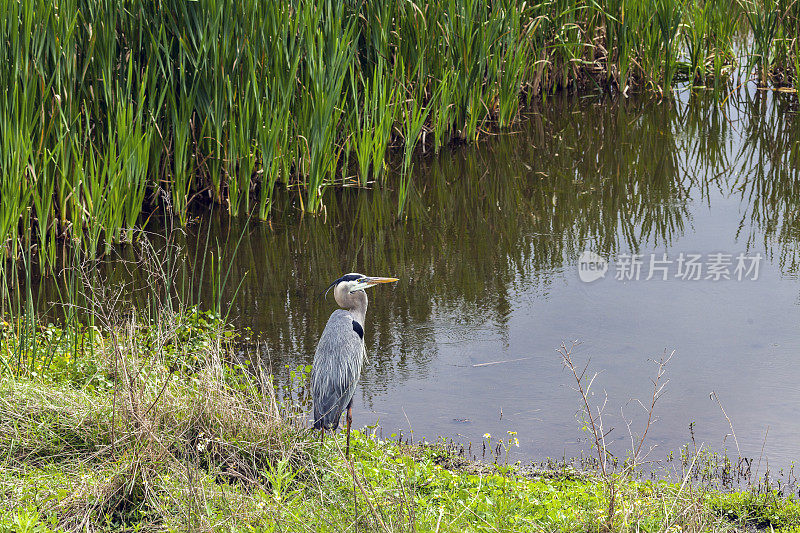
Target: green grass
x=111 y=111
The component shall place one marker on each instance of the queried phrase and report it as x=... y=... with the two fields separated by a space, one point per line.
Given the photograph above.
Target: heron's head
x=354 y=282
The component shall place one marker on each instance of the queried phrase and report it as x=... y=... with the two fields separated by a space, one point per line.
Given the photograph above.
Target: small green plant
x=27 y=520
x=280 y=477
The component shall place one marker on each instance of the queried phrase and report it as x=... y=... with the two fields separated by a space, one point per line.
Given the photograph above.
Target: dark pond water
x=488 y=261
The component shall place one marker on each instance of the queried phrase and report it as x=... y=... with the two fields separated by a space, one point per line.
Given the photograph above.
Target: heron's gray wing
x=337 y=367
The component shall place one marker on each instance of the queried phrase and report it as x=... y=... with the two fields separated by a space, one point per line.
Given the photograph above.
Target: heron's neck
x=356 y=303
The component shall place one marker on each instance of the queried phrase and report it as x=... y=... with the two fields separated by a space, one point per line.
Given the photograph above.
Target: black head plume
x=346 y=277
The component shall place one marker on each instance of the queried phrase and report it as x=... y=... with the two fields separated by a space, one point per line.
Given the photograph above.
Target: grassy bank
x=111 y=110
x=153 y=426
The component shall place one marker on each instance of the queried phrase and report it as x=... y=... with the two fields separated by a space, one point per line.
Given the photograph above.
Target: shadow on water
x=495 y=226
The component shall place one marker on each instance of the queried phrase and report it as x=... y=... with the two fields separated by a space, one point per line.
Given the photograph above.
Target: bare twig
x=595 y=424
x=760 y=455
x=714 y=396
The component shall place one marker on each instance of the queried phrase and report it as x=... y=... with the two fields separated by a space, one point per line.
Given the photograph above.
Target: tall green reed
x=694 y=37
x=374 y=118
x=328 y=36
x=616 y=48
x=668 y=18
x=414 y=117
x=274 y=87
x=181 y=173
x=762 y=17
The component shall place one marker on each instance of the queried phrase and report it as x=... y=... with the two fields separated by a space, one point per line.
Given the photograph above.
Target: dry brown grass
x=151 y=442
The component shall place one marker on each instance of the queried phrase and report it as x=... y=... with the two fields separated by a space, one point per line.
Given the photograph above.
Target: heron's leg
x=349 y=421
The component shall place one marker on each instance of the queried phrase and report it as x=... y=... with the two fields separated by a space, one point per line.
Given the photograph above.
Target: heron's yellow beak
x=375 y=281
x=367 y=282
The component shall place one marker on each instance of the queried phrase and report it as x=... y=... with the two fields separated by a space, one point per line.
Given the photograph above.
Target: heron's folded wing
x=337 y=367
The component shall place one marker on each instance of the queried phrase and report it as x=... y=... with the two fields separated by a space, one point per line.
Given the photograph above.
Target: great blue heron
x=340 y=353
